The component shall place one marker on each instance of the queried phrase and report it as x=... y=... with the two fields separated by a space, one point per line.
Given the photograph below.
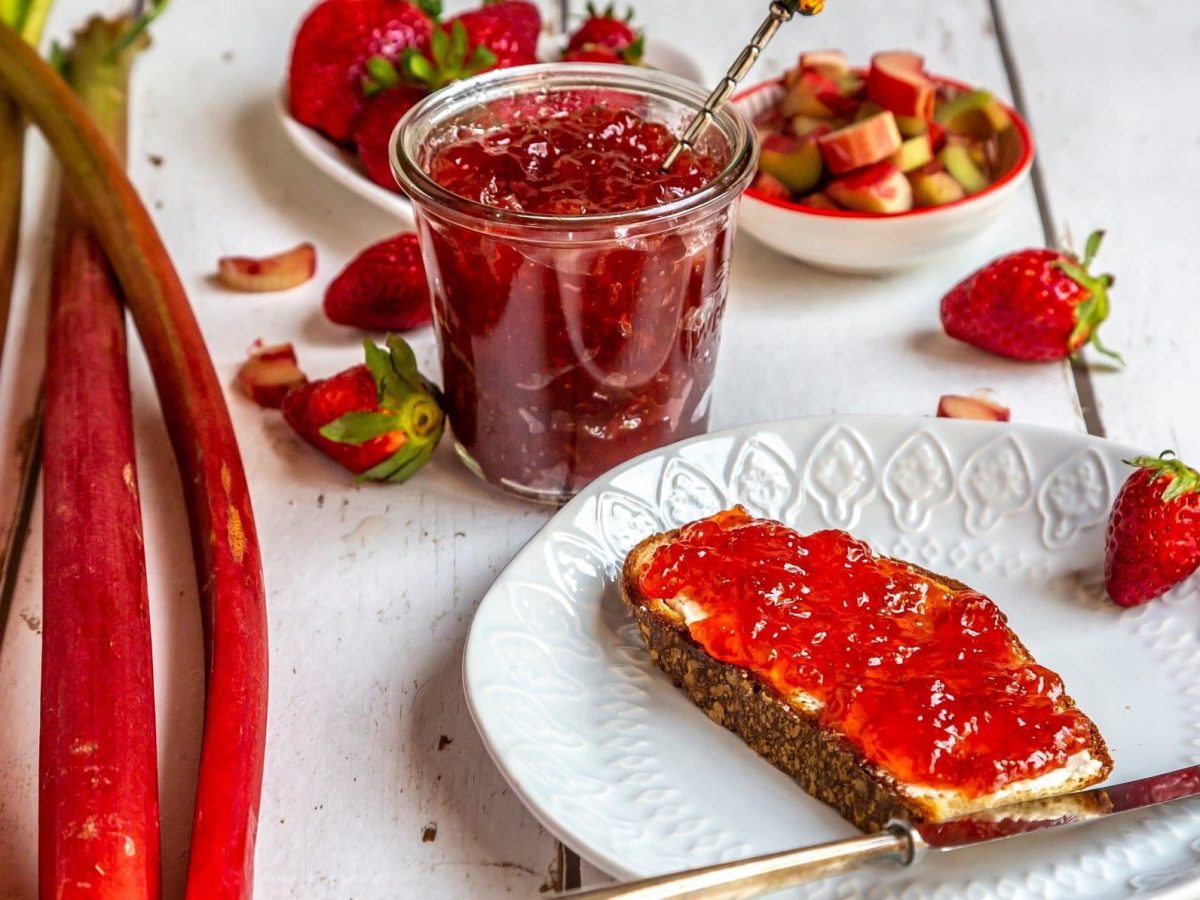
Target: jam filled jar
x=578 y=291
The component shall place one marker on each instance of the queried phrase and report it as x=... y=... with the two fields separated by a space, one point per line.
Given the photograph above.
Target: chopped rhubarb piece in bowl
x=961 y=153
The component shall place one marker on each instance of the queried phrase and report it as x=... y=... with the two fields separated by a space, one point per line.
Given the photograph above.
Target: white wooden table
x=376 y=783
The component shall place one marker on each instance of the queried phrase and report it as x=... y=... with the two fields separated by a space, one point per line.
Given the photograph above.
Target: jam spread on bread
x=920 y=673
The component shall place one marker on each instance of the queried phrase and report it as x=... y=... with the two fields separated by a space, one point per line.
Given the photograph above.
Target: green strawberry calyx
x=380 y=75
x=408 y=404
x=1094 y=310
x=431 y=8
x=450 y=58
x=592 y=11
x=1184 y=479
x=633 y=54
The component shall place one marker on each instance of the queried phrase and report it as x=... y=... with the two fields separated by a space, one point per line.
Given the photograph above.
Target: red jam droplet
x=924 y=677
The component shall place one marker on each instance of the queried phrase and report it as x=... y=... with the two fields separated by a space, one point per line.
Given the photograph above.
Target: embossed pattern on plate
x=620 y=765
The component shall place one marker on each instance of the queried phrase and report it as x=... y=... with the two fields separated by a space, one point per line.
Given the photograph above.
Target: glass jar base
x=534 y=495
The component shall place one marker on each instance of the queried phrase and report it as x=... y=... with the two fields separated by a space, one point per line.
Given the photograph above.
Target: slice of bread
x=787 y=730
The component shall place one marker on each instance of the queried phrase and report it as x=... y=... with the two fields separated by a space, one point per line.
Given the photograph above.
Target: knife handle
x=773 y=872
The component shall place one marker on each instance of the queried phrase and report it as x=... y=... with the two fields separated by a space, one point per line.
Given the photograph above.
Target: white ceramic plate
x=618 y=763
x=343 y=167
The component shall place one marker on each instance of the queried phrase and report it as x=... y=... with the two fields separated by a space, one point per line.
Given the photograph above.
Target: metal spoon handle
x=780 y=12
x=765 y=874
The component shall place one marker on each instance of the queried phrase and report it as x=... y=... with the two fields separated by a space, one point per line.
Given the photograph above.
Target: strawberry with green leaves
x=495 y=36
x=331 y=51
x=451 y=57
x=605 y=37
x=1154 y=530
x=381 y=420
x=508 y=28
x=388 y=99
x=1031 y=305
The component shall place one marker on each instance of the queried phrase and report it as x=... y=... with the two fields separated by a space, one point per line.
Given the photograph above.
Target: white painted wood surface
x=1110 y=88
x=371 y=589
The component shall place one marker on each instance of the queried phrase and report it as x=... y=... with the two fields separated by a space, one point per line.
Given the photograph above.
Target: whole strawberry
x=382 y=289
x=604 y=31
x=381 y=420
x=1031 y=305
x=1154 y=530
x=509 y=29
x=594 y=53
x=333 y=45
x=374 y=124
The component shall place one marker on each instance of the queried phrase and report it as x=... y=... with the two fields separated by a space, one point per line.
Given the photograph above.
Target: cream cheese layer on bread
x=852 y=644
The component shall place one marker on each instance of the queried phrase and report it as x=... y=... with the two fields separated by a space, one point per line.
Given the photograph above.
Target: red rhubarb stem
x=225 y=546
x=98 y=787
x=27 y=18
x=12 y=160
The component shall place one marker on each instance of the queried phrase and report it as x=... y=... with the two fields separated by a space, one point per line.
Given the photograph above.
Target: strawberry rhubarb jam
x=926 y=679
x=571 y=162
x=578 y=290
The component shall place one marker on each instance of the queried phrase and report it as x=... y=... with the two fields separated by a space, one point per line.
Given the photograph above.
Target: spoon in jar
x=781 y=11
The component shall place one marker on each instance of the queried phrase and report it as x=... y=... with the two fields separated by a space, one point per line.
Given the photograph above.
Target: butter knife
x=904 y=843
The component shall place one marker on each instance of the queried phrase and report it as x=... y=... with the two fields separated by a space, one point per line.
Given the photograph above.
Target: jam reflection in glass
x=578 y=291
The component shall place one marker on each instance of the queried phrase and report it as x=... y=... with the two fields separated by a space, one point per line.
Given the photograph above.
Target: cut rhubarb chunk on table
x=278 y=272
x=983 y=408
x=269 y=374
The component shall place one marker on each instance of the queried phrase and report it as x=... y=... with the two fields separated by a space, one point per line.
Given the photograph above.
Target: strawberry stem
x=1184 y=479
x=138 y=27
x=1092 y=312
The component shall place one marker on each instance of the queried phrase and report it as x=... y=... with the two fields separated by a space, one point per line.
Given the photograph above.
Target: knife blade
x=906 y=842
x=1057 y=812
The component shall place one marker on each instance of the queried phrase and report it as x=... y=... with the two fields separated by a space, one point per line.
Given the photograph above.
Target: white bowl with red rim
x=847 y=241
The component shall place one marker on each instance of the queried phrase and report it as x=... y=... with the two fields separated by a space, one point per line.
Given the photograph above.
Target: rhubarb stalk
x=26 y=17
x=228 y=564
x=98 y=787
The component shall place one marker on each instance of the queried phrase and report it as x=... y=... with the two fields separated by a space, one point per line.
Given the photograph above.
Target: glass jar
x=571 y=343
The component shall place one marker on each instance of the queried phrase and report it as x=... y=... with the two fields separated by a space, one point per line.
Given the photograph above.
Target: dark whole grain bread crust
x=823 y=762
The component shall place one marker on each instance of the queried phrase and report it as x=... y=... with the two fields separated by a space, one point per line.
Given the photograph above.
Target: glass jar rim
x=421 y=188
